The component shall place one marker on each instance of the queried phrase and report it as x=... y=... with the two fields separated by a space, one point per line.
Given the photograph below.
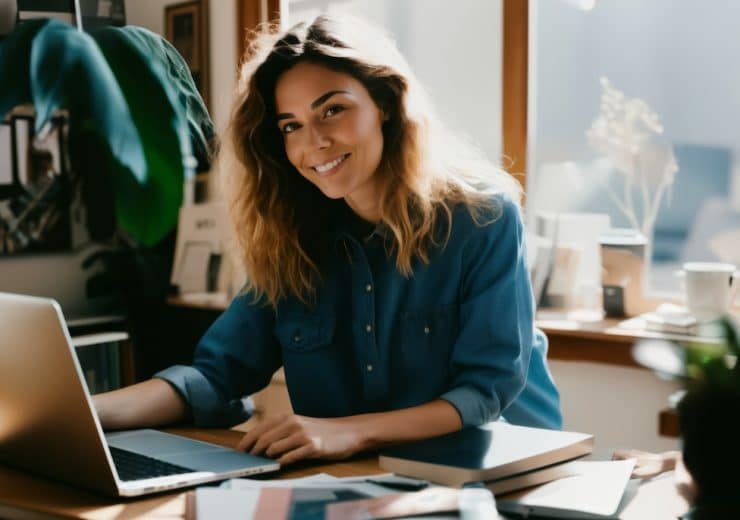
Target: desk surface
x=23 y=495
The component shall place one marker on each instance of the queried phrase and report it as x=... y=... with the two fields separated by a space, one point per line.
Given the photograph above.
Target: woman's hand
x=291 y=438
x=649 y=465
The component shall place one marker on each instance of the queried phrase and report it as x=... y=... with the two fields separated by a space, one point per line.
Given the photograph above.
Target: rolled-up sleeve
x=236 y=357
x=491 y=355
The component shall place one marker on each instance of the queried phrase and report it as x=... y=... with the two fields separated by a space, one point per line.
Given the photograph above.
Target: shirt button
x=369 y=328
x=426 y=329
x=369 y=368
x=369 y=288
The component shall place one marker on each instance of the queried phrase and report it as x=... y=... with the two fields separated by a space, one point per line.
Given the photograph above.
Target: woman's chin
x=333 y=193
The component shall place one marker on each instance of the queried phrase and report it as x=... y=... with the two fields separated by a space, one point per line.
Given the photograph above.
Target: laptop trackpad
x=199 y=456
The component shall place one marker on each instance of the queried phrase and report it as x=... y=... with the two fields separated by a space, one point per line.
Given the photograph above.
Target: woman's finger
x=252 y=435
x=286 y=444
x=278 y=431
x=304 y=452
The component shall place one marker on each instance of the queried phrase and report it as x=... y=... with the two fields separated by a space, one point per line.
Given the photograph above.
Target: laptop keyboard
x=134 y=466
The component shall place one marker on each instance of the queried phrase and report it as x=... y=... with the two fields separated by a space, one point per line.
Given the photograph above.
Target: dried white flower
x=625 y=131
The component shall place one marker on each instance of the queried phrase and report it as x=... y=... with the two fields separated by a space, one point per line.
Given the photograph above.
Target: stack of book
x=504 y=456
x=531 y=471
x=671 y=319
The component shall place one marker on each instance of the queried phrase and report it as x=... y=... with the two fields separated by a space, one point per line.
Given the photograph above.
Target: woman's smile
x=331 y=167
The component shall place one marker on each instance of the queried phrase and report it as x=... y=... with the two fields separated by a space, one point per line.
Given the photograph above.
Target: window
x=679 y=57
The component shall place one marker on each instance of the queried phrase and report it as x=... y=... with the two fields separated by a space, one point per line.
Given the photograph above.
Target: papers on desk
x=593 y=490
x=244 y=498
x=325 y=496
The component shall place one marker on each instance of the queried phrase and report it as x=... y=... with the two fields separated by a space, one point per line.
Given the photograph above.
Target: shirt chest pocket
x=300 y=332
x=427 y=338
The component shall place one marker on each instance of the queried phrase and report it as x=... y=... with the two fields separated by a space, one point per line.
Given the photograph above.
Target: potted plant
x=709 y=412
x=137 y=130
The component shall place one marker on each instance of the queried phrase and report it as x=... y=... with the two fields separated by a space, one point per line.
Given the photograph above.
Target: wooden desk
x=26 y=496
x=585 y=336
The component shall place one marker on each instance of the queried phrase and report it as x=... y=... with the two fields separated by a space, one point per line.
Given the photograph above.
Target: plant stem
x=625 y=211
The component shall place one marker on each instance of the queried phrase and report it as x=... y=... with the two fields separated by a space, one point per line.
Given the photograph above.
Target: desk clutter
x=477 y=473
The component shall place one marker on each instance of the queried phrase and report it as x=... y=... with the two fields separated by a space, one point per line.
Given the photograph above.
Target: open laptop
x=48 y=424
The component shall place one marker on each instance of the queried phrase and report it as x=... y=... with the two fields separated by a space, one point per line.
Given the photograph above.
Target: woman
x=385 y=260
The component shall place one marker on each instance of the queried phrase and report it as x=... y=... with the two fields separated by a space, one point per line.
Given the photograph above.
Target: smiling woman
x=385 y=259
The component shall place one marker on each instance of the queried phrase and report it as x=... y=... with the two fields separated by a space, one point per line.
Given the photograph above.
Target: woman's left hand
x=291 y=438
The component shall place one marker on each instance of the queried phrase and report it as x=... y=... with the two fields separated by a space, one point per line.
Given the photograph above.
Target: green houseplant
x=709 y=412
x=138 y=130
x=137 y=126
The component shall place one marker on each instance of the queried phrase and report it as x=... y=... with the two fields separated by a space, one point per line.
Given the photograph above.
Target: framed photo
x=35 y=199
x=186 y=28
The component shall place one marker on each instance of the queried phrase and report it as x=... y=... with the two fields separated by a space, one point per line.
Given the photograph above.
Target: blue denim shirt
x=461 y=328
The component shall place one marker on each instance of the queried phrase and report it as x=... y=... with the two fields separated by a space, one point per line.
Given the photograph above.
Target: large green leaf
x=68 y=70
x=200 y=125
x=149 y=210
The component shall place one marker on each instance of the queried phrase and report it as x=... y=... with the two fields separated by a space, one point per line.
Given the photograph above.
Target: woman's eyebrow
x=316 y=103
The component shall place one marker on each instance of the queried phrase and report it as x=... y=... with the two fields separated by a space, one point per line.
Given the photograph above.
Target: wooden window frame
x=249 y=15
x=515 y=92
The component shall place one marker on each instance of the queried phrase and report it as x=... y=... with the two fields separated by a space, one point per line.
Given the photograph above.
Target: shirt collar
x=345 y=223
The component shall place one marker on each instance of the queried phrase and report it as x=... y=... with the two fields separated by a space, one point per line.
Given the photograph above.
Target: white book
x=595 y=492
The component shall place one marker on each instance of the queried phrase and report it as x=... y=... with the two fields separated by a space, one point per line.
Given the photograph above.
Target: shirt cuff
x=207 y=408
x=473 y=407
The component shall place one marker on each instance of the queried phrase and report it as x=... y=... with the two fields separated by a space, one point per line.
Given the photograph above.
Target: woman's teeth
x=323 y=168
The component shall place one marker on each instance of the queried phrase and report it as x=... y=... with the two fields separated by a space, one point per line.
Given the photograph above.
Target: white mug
x=710 y=288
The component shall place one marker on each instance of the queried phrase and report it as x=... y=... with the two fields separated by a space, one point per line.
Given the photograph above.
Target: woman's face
x=332 y=132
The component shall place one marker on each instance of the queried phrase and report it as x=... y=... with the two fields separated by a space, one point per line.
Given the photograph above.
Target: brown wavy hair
x=281 y=220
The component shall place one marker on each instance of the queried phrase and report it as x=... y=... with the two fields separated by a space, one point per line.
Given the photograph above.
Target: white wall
x=619 y=405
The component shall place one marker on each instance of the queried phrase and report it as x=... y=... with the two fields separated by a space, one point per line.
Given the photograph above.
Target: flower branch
x=626 y=131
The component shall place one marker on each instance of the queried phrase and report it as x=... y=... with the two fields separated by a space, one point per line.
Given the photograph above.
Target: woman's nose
x=319 y=139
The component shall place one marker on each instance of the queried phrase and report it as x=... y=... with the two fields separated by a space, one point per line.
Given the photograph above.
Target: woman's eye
x=290 y=127
x=333 y=110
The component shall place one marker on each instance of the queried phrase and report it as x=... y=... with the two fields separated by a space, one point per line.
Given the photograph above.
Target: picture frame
x=186 y=28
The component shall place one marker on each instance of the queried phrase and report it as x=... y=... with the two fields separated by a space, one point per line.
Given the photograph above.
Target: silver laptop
x=48 y=424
